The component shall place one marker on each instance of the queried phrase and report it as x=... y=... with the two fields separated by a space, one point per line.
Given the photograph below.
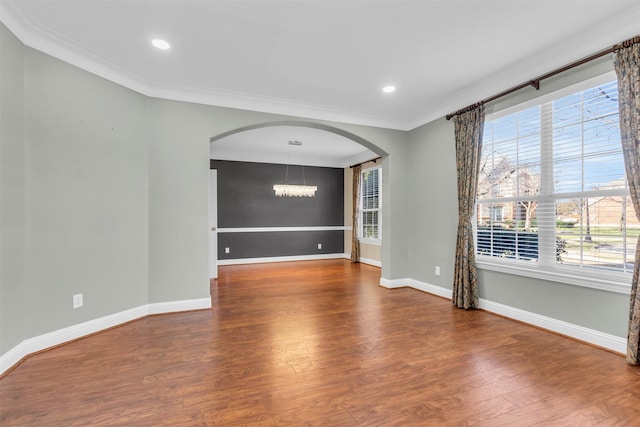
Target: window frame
x=370 y=240
x=619 y=282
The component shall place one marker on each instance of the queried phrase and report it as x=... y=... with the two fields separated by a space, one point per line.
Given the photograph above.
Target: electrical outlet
x=226 y=250
x=437 y=270
x=77 y=301
x=319 y=245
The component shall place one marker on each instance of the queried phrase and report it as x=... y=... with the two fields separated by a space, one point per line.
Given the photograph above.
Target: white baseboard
x=394 y=283
x=178 y=306
x=431 y=289
x=370 y=261
x=278 y=259
x=60 y=336
x=591 y=336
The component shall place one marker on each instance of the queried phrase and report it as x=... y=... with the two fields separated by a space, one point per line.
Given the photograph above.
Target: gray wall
x=279 y=244
x=246 y=199
x=433 y=221
x=433 y=209
x=86 y=199
x=12 y=192
x=179 y=180
x=105 y=192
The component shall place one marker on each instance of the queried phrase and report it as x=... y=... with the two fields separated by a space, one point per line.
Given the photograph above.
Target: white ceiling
x=323 y=59
x=266 y=145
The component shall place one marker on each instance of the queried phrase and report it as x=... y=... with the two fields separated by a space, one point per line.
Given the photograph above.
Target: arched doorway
x=226 y=145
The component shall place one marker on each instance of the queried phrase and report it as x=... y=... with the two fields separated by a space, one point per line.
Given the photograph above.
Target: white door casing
x=213 y=224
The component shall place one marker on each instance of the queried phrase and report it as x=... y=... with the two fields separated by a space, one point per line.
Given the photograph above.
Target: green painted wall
x=87 y=195
x=105 y=192
x=433 y=220
x=12 y=192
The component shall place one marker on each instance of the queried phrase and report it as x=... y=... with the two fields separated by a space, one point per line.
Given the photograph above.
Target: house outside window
x=554 y=170
x=371 y=206
x=496 y=213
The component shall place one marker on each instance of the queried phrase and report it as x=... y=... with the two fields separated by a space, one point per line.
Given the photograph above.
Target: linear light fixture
x=288 y=190
x=292 y=190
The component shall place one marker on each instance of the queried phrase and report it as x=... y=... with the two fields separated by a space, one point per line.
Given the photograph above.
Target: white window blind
x=370 y=204
x=552 y=191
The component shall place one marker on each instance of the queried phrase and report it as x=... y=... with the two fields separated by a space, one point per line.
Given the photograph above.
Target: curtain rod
x=536 y=82
x=366 y=161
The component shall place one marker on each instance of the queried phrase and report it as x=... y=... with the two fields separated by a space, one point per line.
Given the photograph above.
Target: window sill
x=619 y=283
x=369 y=241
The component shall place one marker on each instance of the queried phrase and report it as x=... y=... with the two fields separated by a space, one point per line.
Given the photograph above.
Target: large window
x=370 y=205
x=552 y=191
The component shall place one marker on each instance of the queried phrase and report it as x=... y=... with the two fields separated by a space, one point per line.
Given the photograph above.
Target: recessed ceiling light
x=160 y=44
x=389 y=89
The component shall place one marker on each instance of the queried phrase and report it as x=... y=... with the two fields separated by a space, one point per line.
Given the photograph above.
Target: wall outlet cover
x=78 y=301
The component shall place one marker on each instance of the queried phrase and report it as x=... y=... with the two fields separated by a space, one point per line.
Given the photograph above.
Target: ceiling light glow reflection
x=160 y=44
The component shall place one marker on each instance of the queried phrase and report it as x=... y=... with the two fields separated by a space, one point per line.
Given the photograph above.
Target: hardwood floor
x=320 y=343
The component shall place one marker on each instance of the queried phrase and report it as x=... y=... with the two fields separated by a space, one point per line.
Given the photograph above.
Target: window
x=370 y=206
x=496 y=213
x=552 y=191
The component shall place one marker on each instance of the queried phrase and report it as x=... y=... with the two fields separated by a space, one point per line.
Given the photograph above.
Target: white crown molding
x=277 y=158
x=269 y=105
x=609 y=32
x=612 y=30
x=47 y=41
x=61 y=336
x=59 y=47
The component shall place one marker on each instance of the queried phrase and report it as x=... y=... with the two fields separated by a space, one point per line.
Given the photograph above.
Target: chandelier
x=291 y=190
x=286 y=190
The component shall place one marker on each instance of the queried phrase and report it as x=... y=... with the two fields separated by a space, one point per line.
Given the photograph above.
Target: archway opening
x=256 y=226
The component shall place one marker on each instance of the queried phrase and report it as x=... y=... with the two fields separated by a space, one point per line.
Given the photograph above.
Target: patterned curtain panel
x=627 y=64
x=355 y=194
x=468 y=132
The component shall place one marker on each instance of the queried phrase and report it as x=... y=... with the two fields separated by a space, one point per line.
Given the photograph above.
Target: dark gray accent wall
x=279 y=243
x=246 y=199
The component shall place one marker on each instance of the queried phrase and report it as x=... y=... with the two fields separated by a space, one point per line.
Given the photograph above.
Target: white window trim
x=612 y=282
x=602 y=280
x=370 y=240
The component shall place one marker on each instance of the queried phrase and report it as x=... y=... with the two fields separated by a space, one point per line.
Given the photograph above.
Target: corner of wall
x=12 y=190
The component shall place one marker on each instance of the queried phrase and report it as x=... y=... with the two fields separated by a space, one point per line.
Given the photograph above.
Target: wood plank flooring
x=320 y=343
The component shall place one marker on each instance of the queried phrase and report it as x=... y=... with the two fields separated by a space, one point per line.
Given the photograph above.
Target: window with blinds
x=552 y=191
x=370 y=206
